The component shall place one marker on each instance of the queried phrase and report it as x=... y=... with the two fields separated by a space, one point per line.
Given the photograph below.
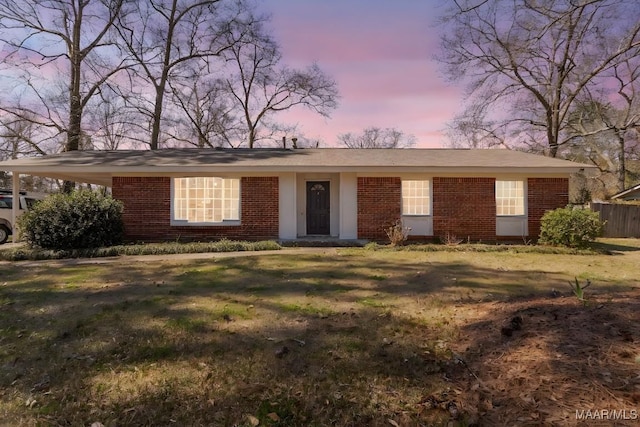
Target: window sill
x=226 y=223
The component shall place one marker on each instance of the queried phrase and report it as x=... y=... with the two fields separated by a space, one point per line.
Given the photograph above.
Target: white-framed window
x=509 y=198
x=416 y=197
x=205 y=200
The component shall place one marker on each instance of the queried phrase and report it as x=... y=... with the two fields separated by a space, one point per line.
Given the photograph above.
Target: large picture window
x=206 y=200
x=416 y=197
x=509 y=198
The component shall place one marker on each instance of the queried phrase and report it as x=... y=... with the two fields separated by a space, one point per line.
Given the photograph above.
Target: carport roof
x=628 y=194
x=99 y=167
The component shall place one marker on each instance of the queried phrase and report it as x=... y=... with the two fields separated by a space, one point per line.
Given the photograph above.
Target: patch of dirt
x=559 y=360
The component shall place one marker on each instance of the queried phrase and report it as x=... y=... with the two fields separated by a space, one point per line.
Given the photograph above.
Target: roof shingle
x=99 y=166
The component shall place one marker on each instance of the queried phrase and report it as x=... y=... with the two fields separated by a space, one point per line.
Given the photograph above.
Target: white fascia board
x=88 y=178
x=102 y=174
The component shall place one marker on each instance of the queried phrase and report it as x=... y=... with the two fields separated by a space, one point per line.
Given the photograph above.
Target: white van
x=6 y=210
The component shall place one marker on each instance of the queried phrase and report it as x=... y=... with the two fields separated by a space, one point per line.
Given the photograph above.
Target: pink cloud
x=379 y=52
x=354 y=30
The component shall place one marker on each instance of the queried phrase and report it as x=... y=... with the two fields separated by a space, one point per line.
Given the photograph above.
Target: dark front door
x=318 y=207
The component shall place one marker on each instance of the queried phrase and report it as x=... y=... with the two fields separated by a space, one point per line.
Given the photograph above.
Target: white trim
x=101 y=166
x=15 y=209
x=287 y=206
x=419 y=225
x=348 y=206
x=103 y=176
x=224 y=223
x=429 y=196
x=185 y=223
x=514 y=225
x=334 y=202
x=632 y=190
x=217 y=169
x=511 y=198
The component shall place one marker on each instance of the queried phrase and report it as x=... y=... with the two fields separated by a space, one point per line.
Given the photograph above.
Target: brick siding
x=379 y=206
x=147 y=211
x=464 y=208
x=545 y=194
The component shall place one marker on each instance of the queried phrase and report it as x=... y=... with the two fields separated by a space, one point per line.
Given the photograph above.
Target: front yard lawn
x=338 y=337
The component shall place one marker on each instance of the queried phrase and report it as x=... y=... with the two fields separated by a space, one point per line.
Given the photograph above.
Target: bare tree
x=18 y=137
x=528 y=62
x=168 y=39
x=208 y=118
x=473 y=129
x=110 y=123
x=375 y=137
x=258 y=87
x=64 y=37
x=21 y=137
x=605 y=125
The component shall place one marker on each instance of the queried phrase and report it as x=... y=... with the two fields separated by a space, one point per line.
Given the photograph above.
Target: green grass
x=372 y=302
x=369 y=334
x=188 y=324
x=25 y=253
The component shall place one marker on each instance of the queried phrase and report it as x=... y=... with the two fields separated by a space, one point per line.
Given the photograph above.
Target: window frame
x=523 y=183
x=429 y=197
x=186 y=223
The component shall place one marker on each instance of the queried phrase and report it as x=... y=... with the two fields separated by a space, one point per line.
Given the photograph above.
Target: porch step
x=323 y=242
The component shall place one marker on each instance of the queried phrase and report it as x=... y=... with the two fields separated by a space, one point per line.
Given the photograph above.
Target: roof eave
x=102 y=175
x=159 y=170
x=626 y=192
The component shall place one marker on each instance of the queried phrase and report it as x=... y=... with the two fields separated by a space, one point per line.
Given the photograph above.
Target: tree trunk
x=160 y=87
x=157 y=113
x=622 y=167
x=74 y=130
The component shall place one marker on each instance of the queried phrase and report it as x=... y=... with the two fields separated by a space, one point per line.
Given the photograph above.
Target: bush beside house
x=570 y=227
x=82 y=219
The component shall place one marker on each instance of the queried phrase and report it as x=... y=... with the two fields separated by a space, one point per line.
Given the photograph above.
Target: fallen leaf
x=393 y=423
x=273 y=416
x=253 y=421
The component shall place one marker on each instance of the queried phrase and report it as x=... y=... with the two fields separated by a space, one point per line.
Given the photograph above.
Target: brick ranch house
x=345 y=194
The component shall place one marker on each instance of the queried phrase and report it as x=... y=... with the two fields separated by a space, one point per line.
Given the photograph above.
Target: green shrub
x=24 y=253
x=82 y=219
x=570 y=227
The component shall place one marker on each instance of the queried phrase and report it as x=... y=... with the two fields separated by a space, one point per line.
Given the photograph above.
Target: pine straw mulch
x=566 y=357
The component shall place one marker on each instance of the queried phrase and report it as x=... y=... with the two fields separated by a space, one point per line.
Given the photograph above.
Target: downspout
x=16 y=205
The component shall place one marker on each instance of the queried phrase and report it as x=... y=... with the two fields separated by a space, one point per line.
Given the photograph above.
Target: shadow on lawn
x=611 y=247
x=219 y=342
x=565 y=358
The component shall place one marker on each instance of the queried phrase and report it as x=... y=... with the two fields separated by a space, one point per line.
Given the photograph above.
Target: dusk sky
x=380 y=54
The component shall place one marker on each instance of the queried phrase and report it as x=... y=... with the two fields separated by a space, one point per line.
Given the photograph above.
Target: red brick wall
x=465 y=208
x=379 y=206
x=545 y=194
x=147 y=211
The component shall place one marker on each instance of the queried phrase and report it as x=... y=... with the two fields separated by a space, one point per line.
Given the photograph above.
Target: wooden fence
x=621 y=220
